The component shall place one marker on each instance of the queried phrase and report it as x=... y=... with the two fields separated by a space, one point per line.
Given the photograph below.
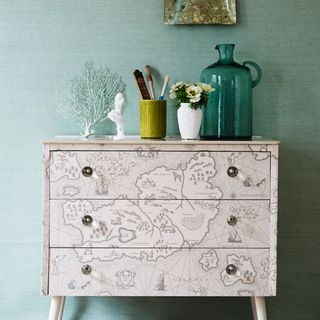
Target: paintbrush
x=164 y=88
x=150 y=81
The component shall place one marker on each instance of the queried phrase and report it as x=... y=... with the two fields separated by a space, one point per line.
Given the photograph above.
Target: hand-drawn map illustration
x=159 y=175
x=164 y=226
x=151 y=222
x=185 y=273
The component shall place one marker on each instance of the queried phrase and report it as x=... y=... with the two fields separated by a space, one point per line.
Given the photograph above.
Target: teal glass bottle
x=228 y=114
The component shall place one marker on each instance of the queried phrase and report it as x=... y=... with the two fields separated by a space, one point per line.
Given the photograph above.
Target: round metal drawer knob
x=86 y=269
x=87 y=171
x=231 y=269
x=232 y=172
x=87 y=220
x=232 y=221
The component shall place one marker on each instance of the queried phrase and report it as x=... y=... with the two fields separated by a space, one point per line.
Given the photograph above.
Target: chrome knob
x=232 y=172
x=86 y=269
x=87 y=220
x=87 y=171
x=231 y=269
x=232 y=221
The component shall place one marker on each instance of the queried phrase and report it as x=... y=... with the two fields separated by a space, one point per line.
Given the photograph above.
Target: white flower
x=177 y=86
x=206 y=87
x=172 y=95
x=180 y=84
x=193 y=90
x=197 y=98
x=194 y=93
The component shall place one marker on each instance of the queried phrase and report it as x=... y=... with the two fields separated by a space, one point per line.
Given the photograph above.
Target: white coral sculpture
x=89 y=97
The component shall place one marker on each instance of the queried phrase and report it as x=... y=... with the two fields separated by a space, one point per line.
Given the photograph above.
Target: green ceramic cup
x=153 y=119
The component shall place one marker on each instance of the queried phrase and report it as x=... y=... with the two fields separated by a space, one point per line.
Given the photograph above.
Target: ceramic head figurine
x=116 y=115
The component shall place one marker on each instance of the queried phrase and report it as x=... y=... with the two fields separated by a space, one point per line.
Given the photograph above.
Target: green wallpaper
x=42 y=42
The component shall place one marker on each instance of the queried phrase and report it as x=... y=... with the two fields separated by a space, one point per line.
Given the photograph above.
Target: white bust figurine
x=116 y=116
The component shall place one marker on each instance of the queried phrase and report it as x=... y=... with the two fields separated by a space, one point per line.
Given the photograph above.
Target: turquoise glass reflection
x=229 y=111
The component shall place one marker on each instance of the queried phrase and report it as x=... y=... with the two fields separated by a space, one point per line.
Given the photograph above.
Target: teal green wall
x=43 y=41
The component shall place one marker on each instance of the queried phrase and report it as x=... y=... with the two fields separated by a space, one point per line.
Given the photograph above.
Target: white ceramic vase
x=189 y=121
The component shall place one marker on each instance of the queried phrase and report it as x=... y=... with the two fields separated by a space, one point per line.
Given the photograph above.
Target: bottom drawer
x=181 y=272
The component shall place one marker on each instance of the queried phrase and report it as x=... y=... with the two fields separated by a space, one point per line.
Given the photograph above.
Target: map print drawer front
x=159 y=175
x=162 y=225
x=188 y=272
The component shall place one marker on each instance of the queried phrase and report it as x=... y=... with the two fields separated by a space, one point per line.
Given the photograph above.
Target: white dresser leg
x=55 y=308
x=259 y=308
x=63 y=299
x=254 y=310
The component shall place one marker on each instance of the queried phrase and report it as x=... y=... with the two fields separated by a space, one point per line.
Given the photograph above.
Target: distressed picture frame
x=205 y=12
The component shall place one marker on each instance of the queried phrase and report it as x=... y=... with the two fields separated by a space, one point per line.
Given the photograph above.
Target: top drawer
x=159 y=175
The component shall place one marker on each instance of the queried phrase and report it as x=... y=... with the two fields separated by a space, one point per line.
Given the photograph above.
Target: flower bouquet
x=190 y=98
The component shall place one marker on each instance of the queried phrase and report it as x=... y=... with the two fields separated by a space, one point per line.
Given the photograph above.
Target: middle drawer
x=160 y=224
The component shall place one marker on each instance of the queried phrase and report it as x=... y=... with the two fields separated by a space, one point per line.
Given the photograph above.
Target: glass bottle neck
x=225 y=53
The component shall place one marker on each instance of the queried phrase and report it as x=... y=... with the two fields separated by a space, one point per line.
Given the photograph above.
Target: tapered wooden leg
x=259 y=308
x=55 y=308
x=63 y=299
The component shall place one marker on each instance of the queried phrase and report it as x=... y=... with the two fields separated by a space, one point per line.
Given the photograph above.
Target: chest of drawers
x=159 y=218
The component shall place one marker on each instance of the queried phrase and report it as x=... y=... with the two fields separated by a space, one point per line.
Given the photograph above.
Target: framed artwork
x=200 y=11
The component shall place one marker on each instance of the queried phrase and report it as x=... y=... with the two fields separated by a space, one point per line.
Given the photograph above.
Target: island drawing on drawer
x=159 y=175
x=128 y=220
x=164 y=226
x=196 y=272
